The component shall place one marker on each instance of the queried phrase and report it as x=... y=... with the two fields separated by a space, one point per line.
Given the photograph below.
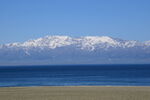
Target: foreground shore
x=75 y=93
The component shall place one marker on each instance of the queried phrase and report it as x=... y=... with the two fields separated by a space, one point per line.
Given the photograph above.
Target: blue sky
x=21 y=20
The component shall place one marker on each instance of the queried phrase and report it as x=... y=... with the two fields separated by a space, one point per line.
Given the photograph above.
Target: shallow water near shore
x=75 y=75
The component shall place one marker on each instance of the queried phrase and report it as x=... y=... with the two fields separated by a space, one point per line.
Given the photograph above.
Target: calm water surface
x=75 y=75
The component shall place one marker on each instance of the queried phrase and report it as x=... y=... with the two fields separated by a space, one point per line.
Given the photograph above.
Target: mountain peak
x=65 y=49
x=85 y=42
x=49 y=41
x=102 y=39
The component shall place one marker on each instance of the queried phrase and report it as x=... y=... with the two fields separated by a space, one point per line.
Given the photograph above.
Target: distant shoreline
x=70 y=65
x=77 y=86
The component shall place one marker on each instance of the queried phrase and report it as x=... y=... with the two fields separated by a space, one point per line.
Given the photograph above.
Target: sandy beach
x=75 y=93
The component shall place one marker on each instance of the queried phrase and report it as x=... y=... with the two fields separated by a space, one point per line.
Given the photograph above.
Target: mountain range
x=75 y=50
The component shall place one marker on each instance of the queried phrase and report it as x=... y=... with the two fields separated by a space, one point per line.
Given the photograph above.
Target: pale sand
x=75 y=93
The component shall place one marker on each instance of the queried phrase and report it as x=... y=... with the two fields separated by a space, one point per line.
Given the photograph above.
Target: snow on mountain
x=65 y=49
x=49 y=41
x=90 y=42
x=87 y=42
x=10 y=45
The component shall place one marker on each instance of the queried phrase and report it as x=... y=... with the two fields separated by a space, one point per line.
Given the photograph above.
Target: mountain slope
x=70 y=50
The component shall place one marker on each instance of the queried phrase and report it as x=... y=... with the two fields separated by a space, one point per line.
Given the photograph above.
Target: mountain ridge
x=58 y=41
x=79 y=50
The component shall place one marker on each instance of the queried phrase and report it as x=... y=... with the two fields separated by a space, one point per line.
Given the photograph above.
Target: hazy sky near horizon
x=21 y=20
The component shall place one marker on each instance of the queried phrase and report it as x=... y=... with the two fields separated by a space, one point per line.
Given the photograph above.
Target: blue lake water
x=75 y=75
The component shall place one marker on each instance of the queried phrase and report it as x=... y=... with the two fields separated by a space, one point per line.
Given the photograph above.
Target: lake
x=75 y=75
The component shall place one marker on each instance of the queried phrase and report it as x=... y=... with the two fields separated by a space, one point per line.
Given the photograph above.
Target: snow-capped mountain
x=53 y=42
x=79 y=50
